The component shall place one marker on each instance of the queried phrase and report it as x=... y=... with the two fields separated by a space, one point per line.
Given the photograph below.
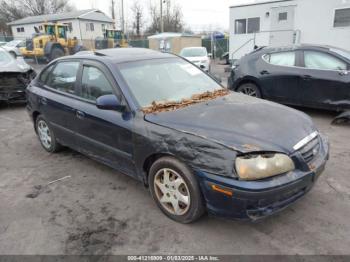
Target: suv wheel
x=175 y=190
x=249 y=89
x=46 y=135
x=56 y=53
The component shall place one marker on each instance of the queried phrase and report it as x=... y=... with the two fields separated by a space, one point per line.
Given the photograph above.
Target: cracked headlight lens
x=254 y=167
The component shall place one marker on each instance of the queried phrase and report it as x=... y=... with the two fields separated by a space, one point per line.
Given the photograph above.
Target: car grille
x=29 y=44
x=310 y=150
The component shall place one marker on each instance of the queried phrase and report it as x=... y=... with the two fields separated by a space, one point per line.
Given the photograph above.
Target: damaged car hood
x=240 y=122
x=15 y=65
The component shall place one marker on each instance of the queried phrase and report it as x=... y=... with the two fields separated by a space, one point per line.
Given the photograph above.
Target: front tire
x=175 y=190
x=249 y=89
x=46 y=135
x=56 y=53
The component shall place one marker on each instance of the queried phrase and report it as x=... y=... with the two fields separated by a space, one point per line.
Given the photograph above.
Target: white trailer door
x=282 y=26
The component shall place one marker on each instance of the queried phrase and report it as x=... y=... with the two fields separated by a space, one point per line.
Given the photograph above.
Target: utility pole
x=161 y=17
x=123 y=21
x=113 y=14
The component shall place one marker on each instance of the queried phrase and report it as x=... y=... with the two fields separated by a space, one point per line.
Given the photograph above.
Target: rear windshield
x=192 y=52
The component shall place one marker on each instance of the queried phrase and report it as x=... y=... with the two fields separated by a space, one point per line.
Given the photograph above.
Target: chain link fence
x=217 y=47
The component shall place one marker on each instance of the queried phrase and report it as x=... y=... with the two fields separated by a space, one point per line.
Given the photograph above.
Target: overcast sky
x=198 y=14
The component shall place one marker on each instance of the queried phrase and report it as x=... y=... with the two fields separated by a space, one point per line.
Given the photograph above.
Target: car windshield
x=5 y=57
x=165 y=80
x=192 y=52
x=12 y=43
x=342 y=52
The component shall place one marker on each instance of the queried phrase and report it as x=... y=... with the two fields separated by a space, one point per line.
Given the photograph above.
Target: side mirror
x=210 y=55
x=109 y=102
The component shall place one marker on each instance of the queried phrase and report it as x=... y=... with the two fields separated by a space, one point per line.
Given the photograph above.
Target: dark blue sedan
x=160 y=119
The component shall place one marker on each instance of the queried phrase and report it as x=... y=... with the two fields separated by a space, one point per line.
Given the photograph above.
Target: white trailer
x=287 y=22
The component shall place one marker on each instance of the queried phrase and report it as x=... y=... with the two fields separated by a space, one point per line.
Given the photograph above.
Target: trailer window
x=342 y=17
x=283 y=16
x=249 y=25
x=241 y=26
x=253 y=25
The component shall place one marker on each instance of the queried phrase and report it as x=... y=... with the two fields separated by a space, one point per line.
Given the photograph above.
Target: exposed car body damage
x=240 y=122
x=15 y=75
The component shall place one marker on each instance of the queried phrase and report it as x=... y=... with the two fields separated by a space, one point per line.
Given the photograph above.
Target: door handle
x=343 y=72
x=43 y=101
x=264 y=72
x=307 y=77
x=80 y=114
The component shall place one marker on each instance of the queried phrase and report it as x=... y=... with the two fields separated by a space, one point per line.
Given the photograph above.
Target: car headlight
x=258 y=166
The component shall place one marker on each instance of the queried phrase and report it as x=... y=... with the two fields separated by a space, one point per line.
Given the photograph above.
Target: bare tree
x=16 y=9
x=172 y=18
x=137 y=11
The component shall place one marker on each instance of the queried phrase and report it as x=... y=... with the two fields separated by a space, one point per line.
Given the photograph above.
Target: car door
x=57 y=99
x=326 y=80
x=105 y=135
x=280 y=77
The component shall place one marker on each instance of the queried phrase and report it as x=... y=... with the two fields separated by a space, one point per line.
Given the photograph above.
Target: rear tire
x=46 y=135
x=56 y=53
x=249 y=89
x=175 y=190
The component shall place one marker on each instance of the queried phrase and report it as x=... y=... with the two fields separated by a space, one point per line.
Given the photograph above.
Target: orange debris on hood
x=157 y=107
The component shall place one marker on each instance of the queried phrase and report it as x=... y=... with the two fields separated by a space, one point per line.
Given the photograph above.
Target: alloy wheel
x=250 y=91
x=44 y=134
x=171 y=191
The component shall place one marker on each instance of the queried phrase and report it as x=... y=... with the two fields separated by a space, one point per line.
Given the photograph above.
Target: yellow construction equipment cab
x=112 y=38
x=51 y=43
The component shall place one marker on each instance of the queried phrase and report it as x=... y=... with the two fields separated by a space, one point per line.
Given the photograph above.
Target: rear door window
x=45 y=73
x=94 y=84
x=281 y=59
x=64 y=76
x=323 y=61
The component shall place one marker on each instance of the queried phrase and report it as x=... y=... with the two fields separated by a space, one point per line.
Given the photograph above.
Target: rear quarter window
x=64 y=76
x=281 y=58
x=45 y=73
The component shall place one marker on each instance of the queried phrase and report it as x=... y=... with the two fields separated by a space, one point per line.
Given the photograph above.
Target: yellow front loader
x=51 y=43
x=112 y=39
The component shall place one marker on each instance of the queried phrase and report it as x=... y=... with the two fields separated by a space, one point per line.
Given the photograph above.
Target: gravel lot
x=98 y=211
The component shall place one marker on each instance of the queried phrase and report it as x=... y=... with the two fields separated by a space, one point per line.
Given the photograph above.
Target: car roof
x=295 y=47
x=122 y=55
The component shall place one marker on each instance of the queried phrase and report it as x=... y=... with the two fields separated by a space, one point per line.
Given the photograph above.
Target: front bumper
x=13 y=96
x=253 y=200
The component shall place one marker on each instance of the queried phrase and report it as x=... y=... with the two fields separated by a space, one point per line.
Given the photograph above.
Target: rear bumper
x=252 y=200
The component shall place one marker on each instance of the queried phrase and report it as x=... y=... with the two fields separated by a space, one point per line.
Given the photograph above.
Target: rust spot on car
x=157 y=107
x=312 y=167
